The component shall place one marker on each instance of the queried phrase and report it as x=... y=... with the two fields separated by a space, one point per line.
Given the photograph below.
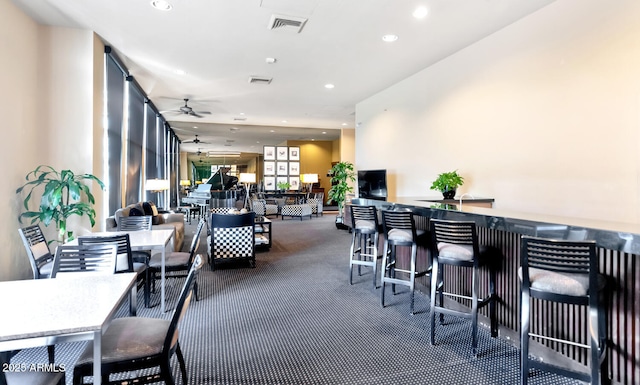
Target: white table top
x=140 y=240
x=64 y=305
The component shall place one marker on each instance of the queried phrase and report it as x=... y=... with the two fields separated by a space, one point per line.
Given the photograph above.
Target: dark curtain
x=134 y=183
x=115 y=81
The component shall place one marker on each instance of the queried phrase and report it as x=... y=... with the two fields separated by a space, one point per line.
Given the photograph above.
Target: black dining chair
x=566 y=273
x=177 y=261
x=124 y=260
x=132 y=344
x=37 y=247
x=364 y=240
x=455 y=244
x=99 y=259
x=137 y=223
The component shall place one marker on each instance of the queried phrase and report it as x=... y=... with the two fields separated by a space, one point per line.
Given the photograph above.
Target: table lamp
x=309 y=179
x=247 y=178
x=157 y=186
x=185 y=183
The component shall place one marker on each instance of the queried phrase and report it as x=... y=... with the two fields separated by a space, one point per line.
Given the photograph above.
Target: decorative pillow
x=135 y=212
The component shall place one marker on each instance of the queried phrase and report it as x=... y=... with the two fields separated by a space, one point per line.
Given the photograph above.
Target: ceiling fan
x=196 y=141
x=186 y=110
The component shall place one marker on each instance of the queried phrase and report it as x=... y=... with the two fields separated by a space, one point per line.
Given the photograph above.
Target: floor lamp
x=247 y=178
x=157 y=186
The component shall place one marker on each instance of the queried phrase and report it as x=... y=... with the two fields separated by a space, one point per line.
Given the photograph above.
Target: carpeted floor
x=294 y=319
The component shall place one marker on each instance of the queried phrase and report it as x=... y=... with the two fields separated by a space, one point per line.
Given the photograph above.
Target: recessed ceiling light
x=344 y=124
x=284 y=121
x=421 y=12
x=161 y=5
x=272 y=130
x=324 y=132
x=195 y=126
x=180 y=72
x=389 y=38
x=329 y=86
x=271 y=60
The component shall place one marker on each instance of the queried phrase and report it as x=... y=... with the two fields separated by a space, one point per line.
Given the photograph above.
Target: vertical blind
x=141 y=144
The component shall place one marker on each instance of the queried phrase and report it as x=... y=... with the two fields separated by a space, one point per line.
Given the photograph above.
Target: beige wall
x=48 y=108
x=543 y=116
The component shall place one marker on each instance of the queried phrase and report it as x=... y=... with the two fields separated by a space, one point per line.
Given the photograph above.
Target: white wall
x=543 y=116
x=47 y=108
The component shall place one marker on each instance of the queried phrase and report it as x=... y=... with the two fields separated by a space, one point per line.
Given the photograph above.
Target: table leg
x=164 y=253
x=97 y=357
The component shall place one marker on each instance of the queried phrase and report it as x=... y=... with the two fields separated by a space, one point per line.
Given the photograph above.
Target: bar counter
x=618 y=249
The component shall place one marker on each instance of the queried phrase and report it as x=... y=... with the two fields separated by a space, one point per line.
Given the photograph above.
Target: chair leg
x=51 y=352
x=195 y=290
x=493 y=307
x=412 y=276
x=474 y=311
x=166 y=374
x=374 y=257
x=524 y=338
x=434 y=289
x=147 y=288
x=183 y=366
x=351 y=256
x=383 y=270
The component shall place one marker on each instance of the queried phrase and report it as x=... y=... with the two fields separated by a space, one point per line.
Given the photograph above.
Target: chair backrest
x=399 y=220
x=195 y=241
x=84 y=258
x=183 y=303
x=135 y=223
x=232 y=235
x=259 y=206
x=559 y=256
x=124 y=258
x=363 y=213
x=454 y=236
x=37 y=248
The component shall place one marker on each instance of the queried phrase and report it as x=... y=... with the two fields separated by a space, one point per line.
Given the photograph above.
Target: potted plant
x=283 y=186
x=447 y=183
x=341 y=174
x=64 y=194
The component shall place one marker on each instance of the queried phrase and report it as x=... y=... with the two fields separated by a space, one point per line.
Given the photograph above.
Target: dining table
x=74 y=307
x=148 y=240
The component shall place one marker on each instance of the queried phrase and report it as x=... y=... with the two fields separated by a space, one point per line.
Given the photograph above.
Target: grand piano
x=219 y=191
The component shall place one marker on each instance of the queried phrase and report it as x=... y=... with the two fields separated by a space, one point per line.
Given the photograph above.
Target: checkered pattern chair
x=316 y=206
x=232 y=238
x=296 y=211
x=262 y=208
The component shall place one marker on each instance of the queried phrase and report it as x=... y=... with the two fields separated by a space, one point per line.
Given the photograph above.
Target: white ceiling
x=220 y=44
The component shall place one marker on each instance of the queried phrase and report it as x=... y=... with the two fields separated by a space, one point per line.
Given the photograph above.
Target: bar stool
x=455 y=243
x=364 y=240
x=400 y=230
x=563 y=272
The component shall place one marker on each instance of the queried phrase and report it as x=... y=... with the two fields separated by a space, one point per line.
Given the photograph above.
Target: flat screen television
x=372 y=184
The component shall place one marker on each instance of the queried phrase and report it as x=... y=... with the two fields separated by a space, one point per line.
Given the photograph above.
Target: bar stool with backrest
x=455 y=243
x=364 y=240
x=400 y=231
x=564 y=272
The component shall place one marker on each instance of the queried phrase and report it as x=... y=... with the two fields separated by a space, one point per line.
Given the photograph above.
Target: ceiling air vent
x=287 y=23
x=259 y=80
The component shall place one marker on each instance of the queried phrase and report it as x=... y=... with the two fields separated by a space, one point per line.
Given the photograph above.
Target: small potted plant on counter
x=447 y=183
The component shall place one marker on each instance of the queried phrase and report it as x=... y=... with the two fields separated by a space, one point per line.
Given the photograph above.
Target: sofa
x=174 y=221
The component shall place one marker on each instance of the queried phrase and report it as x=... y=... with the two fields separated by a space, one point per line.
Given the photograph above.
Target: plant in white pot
x=64 y=194
x=341 y=174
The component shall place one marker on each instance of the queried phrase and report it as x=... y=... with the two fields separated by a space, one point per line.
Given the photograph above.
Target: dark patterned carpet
x=294 y=319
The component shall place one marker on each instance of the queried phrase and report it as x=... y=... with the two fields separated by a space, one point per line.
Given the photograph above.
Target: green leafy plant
x=283 y=185
x=341 y=174
x=62 y=196
x=447 y=181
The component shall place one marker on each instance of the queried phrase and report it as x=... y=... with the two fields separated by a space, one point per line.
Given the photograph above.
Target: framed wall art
x=294 y=153
x=282 y=168
x=269 y=153
x=282 y=153
x=269 y=168
x=269 y=183
x=294 y=168
x=294 y=181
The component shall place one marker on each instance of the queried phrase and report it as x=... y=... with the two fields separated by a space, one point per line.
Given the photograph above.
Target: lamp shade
x=185 y=182
x=156 y=184
x=309 y=178
x=247 y=177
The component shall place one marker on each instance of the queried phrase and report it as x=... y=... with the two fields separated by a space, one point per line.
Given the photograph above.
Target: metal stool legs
x=389 y=270
x=364 y=252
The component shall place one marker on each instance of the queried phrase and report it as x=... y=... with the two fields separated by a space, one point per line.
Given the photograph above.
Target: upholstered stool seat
x=456 y=245
x=364 y=240
x=300 y=211
x=400 y=231
x=562 y=272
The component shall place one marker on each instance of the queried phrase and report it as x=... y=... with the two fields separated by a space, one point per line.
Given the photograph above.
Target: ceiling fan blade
x=192 y=113
x=203 y=112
